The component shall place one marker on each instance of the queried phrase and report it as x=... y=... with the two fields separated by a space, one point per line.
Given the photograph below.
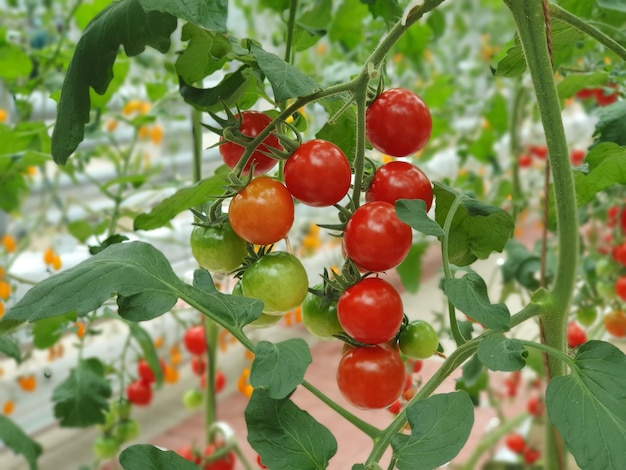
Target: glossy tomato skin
x=252 y=123
x=139 y=393
x=263 y=212
x=615 y=323
x=194 y=339
x=398 y=123
x=318 y=173
x=279 y=280
x=418 y=340
x=400 y=180
x=370 y=311
x=217 y=248
x=371 y=377
x=375 y=239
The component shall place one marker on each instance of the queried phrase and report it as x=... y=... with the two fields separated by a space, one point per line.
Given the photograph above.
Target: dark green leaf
x=285 y=436
x=10 y=348
x=521 y=265
x=440 y=426
x=206 y=52
x=120 y=24
x=617 y=5
x=588 y=406
x=112 y=240
x=120 y=71
x=504 y=354
x=342 y=129
x=7 y=326
x=276 y=5
x=571 y=84
x=472 y=371
x=413 y=212
x=469 y=295
x=147 y=348
x=82 y=399
x=410 y=270
x=475 y=386
x=19 y=442
x=210 y=14
x=48 y=331
x=279 y=367
x=611 y=126
x=149 y=457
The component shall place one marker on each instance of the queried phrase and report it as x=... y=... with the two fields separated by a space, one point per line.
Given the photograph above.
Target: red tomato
x=525 y=160
x=575 y=335
x=144 y=371
x=220 y=381
x=263 y=212
x=252 y=123
x=318 y=173
x=539 y=151
x=618 y=252
x=139 y=393
x=187 y=452
x=225 y=463
x=577 y=156
x=620 y=287
x=615 y=323
x=370 y=311
x=604 y=96
x=198 y=365
x=586 y=93
x=375 y=239
x=195 y=340
x=398 y=123
x=535 y=406
x=371 y=377
x=400 y=180
x=611 y=215
x=515 y=443
x=531 y=455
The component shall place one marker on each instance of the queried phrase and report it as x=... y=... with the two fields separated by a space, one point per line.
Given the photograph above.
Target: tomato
x=370 y=311
x=193 y=399
x=278 y=279
x=224 y=463
x=535 y=406
x=144 y=371
x=320 y=317
x=515 y=443
x=531 y=455
x=189 y=453
x=105 y=447
x=126 y=430
x=615 y=323
x=577 y=156
x=220 y=381
x=318 y=173
x=139 y=393
x=217 y=248
x=586 y=93
x=575 y=335
x=259 y=463
x=398 y=123
x=198 y=365
x=604 y=96
x=252 y=123
x=375 y=239
x=371 y=377
x=539 y=151
x=265 y=320
x=418 y=340
x=194 y=339
x=400 y=180
x=524 y=160
x=586 y=315
x=417 y=366
x=620 y=287
x=263 y=212
x=619 y=254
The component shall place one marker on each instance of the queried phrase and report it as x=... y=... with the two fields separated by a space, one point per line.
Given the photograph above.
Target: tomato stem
x=291 y=23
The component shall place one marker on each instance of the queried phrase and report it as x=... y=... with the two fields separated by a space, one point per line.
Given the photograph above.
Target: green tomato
x=126 y=430
x=606 y=289
x=105 y=447
x=321 y=321
x=605 y=268
x=279 y=280
x=217 y=248
x=121 y=408
x=193 y=398
x=418 y=340
x=265 y=320
x=586 y=316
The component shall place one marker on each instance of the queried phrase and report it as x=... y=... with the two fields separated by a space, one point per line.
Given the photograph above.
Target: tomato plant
x=399 y=180
x=418 y=340
x=139 y=393
x=217 y=247
x=224 y=463
x=319 y=315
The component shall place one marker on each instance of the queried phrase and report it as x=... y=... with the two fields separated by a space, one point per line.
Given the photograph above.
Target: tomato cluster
x=206 y=458
x=139 y=391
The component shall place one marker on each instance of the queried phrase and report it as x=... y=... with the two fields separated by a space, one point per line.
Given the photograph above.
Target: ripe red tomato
x=225 y=463
x=139 y=393
x=195 y=340
x=620 y=287
x=604 y=96
x=531 y=455
x=618 y=252
x=577 y=156
x=575 y=335
x=220 y=381
x=263 y=212
x=188 y=452
x=398 y=123
x=400 y=180
x=318 y=173
x=535 y=406
x=539 y=151
x=615 y=323
x=370 y=311
x=524 y=160
x=371 y=377
x=252 y=123
x=515 y=443
x=375 y=239
x=198 y=365
x=144 y=371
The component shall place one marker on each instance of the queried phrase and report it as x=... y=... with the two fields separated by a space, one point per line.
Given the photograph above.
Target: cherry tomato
x=189 y=453
x=620 y=287
x=525 y=160
x=139 y=393
x=220 y=381
x=398 y=123
x=615 y=323
x=371 y=377
x=193 y=398
x=535 y=406
x=577 y=156
x=144 y=371
x=278 y=279
x=320 y=317
x=217 y=248
x=531 y=455
x=418 y=340
x=399 y=180
x=252 y=123
x=105 y=447
x=604 y=96
x=318 y=173
x=375 y=239
x=575 y=335
x=370 y=311
x=586 y=315
x=263 y=212
x=198 y=365
x=194 y=339
x=126 y=430
x=539 y=151
x=515 y=443
x=225 y=463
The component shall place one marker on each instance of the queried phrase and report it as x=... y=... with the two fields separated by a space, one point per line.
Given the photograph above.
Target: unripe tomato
x=126 y=430
x=193 y=398
x=105 y=447
x=320 y=320
x=398 y=123
x=418 y=340
x=265 y=320
x=587 y=315
x=252 y=123
x=217 y=248
x=263 y=212
x=400 y=180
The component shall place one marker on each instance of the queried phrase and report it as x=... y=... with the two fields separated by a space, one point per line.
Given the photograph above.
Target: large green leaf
x=210 y=14
x=48 y=331
x=149 y=457
x=10 y=348
x=588 y=406
x=279 y=367
x=14 y=63
x=611 y=126
x=19 y=442
x=122 y=23
x=312 y=24
x=82 y=399
x=285 y=436
x=440 y=426
x=413 y=212
x=498 y=352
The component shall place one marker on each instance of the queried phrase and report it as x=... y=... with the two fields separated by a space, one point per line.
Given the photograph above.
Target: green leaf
x=472 y=371
x=413 y=212
x=206 y=52
x=582 y=8
x=410 y=270
x=500 y=353
x=342 y=129
x=19 y=442
x=122 y=23
x=611 y=126
x=521 y=265
x=440 y=426
x=346 y=27
x=477 y=229
x=210 y=14
x=48 y=331
x=617 y=5
x=279 y=367
x=183 y=199
x=147 y=348
x=572 y=84
x=469 y=295
x=497 y=114
x=149 y=457
x=588 y=406
x=14 y=63
x=388 y=10
x=286 y=80
x=82 y=399
x=120 y=71
x=311 y=25
x=10 y=348
x=285 y=436
x=413 y=43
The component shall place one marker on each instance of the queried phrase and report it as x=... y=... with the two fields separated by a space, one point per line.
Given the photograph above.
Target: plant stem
x=210 y=404
x=515 y=147
x=360 y=98
x=119 y=195
x=550 y=351
x=291 y=24
x=196 y=132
